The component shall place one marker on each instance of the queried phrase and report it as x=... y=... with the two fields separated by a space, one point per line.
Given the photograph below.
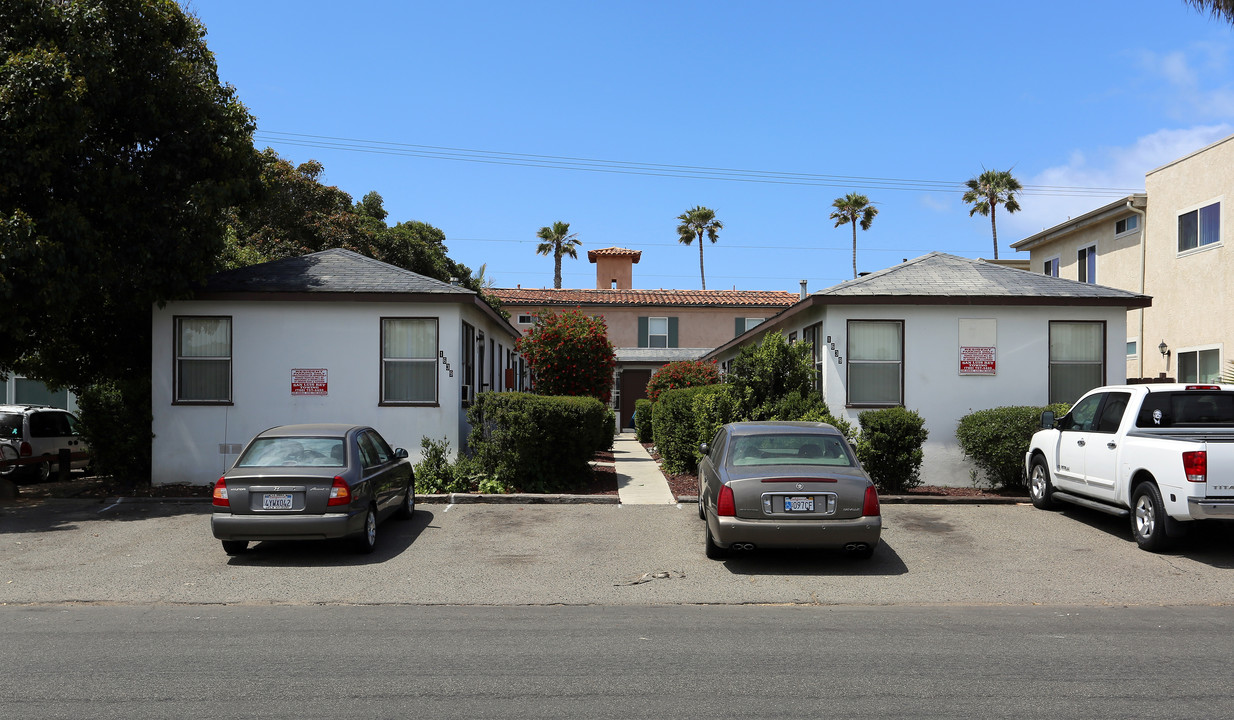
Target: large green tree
x=696 y=222
x=854 y=209
x=119 y=151
x=989 y=190
x=557 y=241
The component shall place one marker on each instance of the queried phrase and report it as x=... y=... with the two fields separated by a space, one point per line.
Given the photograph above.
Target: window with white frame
x=1133 y=348
x=1128 y=224
x=814 y=335
x=1199 y=366
x=657 y=332
x=875 y=362
x=203 y=360
x=1077 y=359
x=525 y=319
x=1086 y=260
x=408 y=360
x=1050 y=267
x=1199 y=227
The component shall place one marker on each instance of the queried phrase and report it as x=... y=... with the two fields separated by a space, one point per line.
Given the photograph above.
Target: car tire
x=715 y=552
x=42 y=471
x=702 y=512
x=8 y=454
x=235 y=547
x=408 y=509
x=1040 y=489
x=366 y=541
x=1148 y=518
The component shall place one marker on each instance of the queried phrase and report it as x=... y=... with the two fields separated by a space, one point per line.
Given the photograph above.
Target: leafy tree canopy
x=119 y=151
x=569 y=354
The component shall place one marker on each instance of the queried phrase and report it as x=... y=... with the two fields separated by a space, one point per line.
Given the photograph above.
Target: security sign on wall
x=309 y=381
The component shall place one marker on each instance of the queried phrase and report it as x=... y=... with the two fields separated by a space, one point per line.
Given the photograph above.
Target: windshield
x=287 y=451
x=780 y=449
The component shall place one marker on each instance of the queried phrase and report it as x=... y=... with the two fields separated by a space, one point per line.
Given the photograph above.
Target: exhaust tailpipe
x=855 y=547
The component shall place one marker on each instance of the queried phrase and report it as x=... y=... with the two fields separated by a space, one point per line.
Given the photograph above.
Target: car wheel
x=235 y=547
x=1040 y=489
x=715 y=552
x=367 y=539
x=408 y=508
x=8 y=454
x=1148 y=518
x=42 y=471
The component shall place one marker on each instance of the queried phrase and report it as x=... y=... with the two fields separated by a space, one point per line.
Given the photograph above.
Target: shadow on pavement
x=819 y=563
x=1210 y=542
x=51 y=515
x=393 y=538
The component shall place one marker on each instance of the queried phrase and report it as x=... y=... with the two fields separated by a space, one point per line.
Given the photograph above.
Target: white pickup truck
x=1161 y=454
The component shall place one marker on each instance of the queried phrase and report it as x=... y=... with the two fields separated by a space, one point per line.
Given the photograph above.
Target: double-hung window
x=1199 y=227
x=1086 y=260
x=203 y=360
x=1077 y=359
x=875 y=362
x=408 y=360
x=657 y=332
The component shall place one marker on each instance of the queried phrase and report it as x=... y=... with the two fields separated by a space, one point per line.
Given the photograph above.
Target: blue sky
x=901 y=101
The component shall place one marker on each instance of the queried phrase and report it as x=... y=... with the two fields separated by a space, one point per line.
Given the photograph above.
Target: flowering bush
x=569 y=354
x=676 y=375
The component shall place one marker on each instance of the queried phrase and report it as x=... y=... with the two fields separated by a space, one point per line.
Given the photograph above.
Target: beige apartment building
x=1169 y=243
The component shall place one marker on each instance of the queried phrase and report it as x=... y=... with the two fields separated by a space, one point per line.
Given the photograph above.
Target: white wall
x=269 y=339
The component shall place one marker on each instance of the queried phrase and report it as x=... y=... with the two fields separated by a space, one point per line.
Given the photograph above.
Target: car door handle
x=1081 y=443
x=1111 y=445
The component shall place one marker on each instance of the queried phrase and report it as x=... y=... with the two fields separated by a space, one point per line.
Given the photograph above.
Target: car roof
x=311 y=430
x=785 y=427
x=29 y=407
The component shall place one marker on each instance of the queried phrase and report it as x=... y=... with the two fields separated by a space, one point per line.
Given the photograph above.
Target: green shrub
x=765 y=373
x=683 y=374
x=676 y=431
x=712 y=410
x=436 y=474
x=642 y=420
x=537 y=443
x=996 y=440
x=569 y=354
x=889 y=447
x=115 y=422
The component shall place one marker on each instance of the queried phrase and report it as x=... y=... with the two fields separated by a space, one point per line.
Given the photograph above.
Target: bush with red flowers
x=675 y=375
x=569 y=354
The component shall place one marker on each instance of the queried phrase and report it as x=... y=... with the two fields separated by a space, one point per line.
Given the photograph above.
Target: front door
x=633 y=387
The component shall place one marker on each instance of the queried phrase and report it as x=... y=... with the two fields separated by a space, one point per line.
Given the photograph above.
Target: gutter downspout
x=1143 y=254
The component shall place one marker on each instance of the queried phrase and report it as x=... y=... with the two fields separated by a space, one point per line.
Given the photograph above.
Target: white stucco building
x=944 y=336
x=329 y=337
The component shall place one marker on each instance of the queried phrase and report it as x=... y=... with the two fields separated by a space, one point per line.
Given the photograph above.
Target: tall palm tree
x=1222 y=9
x=989 y=190
x=558 y=241
x=852 y=209
x=696 y=222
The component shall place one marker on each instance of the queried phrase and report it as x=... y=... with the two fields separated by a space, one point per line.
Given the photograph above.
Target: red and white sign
x=977 y=361
x=309 y=381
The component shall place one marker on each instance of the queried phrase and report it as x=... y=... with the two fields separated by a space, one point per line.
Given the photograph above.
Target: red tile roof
x=685 y=298
x=614 y=252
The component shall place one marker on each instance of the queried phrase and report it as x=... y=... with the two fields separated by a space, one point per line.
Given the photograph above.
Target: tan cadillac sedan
x=785 y=485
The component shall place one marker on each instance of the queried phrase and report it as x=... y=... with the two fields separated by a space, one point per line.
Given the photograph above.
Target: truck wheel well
x=1140 y=476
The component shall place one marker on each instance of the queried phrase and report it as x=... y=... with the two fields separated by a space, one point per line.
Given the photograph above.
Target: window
x=203 y=360
x=408 y=360
x=468 y=354
x=1199 y=227
x=1127 y=224
x=1050 y=267
x=814 y=336
x=33 y=392
x=744 y=324
x=1086 y=259
x=657 y=332
x=875 y=362
x=1077 y=359
x=1132 y=348
x=1199 y=366
x=526 y=320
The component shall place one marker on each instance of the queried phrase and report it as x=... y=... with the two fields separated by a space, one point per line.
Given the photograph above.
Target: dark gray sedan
x=309 y=482
x=785 y=485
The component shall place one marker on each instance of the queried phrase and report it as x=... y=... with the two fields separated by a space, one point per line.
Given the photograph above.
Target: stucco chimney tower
x=614 y=267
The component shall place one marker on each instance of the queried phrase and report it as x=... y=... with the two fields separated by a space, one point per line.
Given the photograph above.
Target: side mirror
x=704 y=449
x=400 y=453
x=1047 y=419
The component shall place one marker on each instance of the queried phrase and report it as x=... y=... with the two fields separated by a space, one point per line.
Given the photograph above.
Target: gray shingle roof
x=328 y=271
x=941 y=278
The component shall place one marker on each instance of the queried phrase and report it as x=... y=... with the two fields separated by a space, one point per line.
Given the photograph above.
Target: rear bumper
x=227 y=526
x=827 y=534
x=1211 y=508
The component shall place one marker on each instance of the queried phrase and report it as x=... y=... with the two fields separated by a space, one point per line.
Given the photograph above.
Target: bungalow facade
x=333 y=336
x=944 y=336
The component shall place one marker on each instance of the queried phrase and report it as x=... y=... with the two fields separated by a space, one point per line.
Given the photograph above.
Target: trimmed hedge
x=890 y=447
x=996 y=440
x=538 y=443
x=642 y=420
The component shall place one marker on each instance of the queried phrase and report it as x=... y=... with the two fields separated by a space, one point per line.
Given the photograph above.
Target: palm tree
x=1221 y=9
x=851 y=209
x=558 y=241
x=694 y=223
x=987 y=191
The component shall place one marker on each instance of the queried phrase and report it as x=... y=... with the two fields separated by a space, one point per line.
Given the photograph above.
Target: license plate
x=799 y=504
x=276 y=501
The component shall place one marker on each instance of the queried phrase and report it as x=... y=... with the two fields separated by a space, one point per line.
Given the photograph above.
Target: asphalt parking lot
x=78 y=551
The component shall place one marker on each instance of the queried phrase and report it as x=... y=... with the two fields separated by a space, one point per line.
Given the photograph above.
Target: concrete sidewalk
x=639 y=480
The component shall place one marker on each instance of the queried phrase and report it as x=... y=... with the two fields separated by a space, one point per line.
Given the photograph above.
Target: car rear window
x=1187 y=408
x=290 y=451
x=10 y=426
x=782 y=449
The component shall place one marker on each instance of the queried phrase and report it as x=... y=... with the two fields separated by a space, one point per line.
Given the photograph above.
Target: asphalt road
x=84 y=552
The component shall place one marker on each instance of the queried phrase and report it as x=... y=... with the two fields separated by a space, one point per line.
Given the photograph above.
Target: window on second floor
x=1128 y=224
x=744 y=323
x=1199 y=366
x=1199 y=227
x=657 y=332
x=1050 y=267
x=1086 y=259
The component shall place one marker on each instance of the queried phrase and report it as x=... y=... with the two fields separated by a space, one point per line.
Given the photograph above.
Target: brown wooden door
x=633 y=387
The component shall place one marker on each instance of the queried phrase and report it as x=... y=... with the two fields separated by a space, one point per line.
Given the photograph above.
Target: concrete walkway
x=639 y=480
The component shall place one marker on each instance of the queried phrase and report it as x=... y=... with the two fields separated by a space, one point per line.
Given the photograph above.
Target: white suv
x=32 y=436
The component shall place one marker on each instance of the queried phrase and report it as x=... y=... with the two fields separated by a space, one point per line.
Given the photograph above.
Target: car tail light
x=870 y=506
x=1203 y=387
x=220 y=494
x=25 y=449
x=340 y=494
x=725 y=507
x=1195 y=464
